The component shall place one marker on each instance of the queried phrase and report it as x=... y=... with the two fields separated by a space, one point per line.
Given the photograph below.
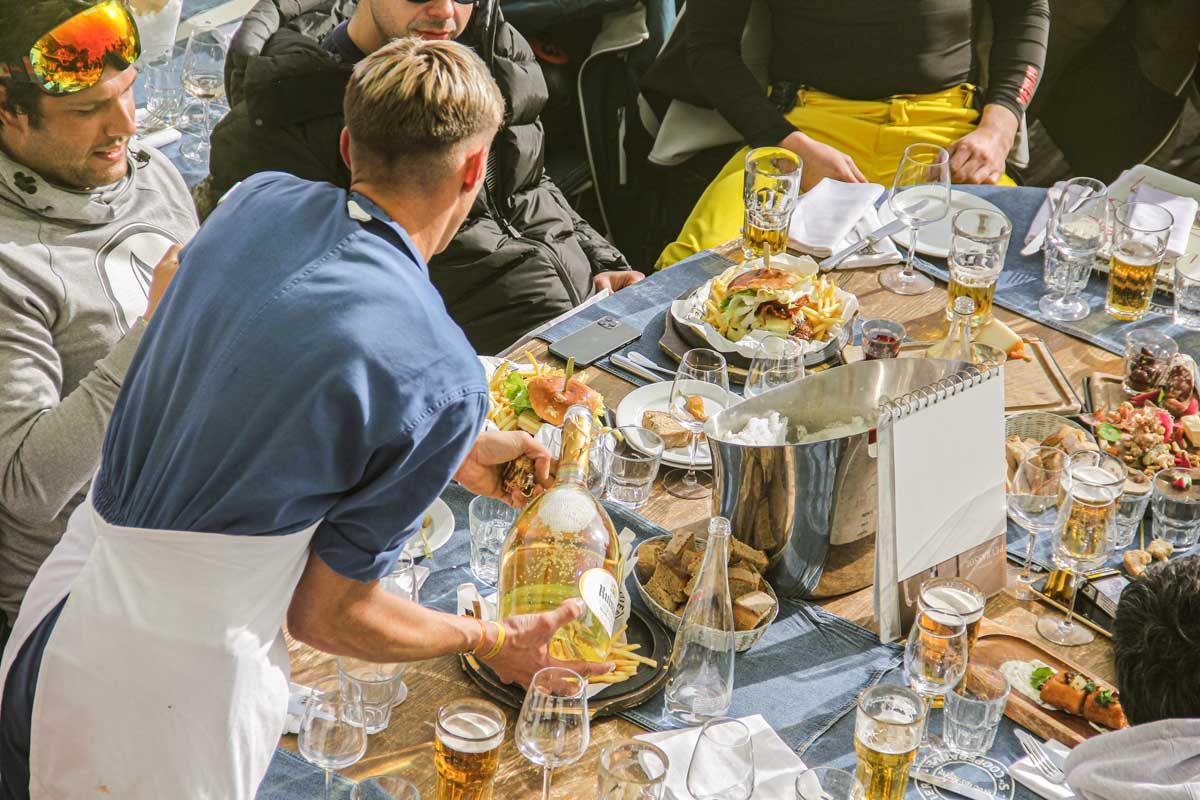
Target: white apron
x=166 y=675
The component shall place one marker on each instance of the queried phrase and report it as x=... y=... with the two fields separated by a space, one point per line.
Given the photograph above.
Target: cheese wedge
x=1004 y=338
x=1191 y=429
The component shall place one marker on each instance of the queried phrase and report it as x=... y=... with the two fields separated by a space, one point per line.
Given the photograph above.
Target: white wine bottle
x=563 y=545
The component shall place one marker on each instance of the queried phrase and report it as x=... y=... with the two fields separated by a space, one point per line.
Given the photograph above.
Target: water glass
x=888 y=727
x=770 y=187
x=385 y=787
x=920 y=196
x=978 y=245
x=631 y=770
x=597 y=475
x=935 y=655
x=1131 y=510
x=374 y=685
x=1175 y=503
x=827 y=783
x=722 y=766
x=332 y=735
x=1139 y=243
x=490 y=521
x=881 y=338
x=634 y=454
x=974 y=709
x=552 y=730
x=777 y=361
x=1187 y=293
x=1075 y=232
x=1148 y=353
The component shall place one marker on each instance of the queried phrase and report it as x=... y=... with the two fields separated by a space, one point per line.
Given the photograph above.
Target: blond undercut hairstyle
x=412 y=104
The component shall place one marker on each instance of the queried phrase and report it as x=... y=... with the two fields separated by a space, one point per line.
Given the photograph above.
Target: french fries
x=624 y=659
x=500 y=410
x=823 y=310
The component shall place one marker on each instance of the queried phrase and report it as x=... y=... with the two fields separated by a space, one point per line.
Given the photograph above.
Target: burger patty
x=773 y=308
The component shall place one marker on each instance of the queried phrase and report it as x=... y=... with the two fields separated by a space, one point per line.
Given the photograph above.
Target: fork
x=1039 y=758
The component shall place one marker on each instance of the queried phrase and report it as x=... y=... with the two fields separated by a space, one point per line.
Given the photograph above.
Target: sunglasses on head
x=460 y=2
x=73 y=55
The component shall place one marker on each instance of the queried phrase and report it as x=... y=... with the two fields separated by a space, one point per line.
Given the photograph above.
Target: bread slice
x=740 y=551
x=743 y=581
x=661 y=422
x=648 y=557
x=680 y=543
x=666 y=587
x=751 y=609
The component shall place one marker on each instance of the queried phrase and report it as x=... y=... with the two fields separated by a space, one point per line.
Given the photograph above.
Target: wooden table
x=407 y=745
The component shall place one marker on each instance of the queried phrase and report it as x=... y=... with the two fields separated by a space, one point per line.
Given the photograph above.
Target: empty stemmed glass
x=778 y=361
x=920 y=196
x=203 y=77
x=701 y=389
x=935 y=656
x=552 y=730
x=722 y=766
x=1075 y=232
x=1033 y=501
x=1087 y=525
x=332 y=735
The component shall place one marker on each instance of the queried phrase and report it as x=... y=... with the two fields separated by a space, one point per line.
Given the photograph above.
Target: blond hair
x=411 y=103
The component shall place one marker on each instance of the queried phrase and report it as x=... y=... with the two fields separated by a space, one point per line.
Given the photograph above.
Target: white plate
x=440 y=528
x=934 y=239
x=657 y=397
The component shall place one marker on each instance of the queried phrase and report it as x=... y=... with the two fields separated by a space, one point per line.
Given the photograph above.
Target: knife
x=955 y=785
x=895 y=226
x=634 y=369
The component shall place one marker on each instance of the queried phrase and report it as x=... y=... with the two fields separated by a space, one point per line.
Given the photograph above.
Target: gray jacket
x=75 y=269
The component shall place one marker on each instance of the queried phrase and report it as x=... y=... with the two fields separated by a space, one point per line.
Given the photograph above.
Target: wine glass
x=701 y=386
x=935 y=656
x=1084 y=534
x=722 y=766
x=203 y=77
x=920 y=196
x=778 y=361
x=1033 y=501
x=552 y=730
x=332 y=735
x=1075 y=232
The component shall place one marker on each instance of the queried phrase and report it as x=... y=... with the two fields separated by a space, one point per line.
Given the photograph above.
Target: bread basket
x=743 y=640
x=1040 y=424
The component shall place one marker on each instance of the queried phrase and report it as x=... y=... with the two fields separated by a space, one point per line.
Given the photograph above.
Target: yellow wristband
x=500 y=634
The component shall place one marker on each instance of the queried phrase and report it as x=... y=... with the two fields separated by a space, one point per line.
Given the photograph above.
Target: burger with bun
x=766 y=299
x=545 y=398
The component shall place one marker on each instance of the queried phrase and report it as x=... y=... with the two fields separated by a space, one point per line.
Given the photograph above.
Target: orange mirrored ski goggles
x=73 y=55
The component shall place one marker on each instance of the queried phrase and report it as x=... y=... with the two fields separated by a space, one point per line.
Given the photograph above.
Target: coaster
x=984 y=773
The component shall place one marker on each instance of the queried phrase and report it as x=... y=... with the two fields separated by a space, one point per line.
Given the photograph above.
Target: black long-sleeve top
x=861 y=49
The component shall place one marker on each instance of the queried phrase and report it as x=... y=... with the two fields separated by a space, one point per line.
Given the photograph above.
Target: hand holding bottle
x=526 y=645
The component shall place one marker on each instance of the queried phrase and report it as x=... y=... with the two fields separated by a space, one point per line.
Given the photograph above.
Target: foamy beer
x=887 y=735
x=957 y=595
x=466 y=749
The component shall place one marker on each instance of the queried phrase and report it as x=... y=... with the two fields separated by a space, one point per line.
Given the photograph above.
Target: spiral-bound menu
x=941 y=481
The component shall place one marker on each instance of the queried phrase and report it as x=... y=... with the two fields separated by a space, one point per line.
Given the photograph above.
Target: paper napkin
x=1024 y=773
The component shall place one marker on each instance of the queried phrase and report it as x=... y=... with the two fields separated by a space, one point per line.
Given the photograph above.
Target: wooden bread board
x=997 y=644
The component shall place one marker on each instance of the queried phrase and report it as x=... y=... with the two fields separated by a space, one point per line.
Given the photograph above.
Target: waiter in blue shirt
x=298 y=401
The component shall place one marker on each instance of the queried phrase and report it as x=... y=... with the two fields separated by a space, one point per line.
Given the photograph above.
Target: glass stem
x=328 y=784
x=207 y=126
x=928 y=701
x=1028 y=559
x=1068 y=622
x=693 y=444
x=546 y=783
x=912 y=250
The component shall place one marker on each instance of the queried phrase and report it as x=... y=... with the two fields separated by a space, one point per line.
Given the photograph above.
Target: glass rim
x=991 y=671
x=610 y=750
x=756 y=154
x=475 y=704
x=883 y=322
x=1126 y=210
x=1057 y=453
x=1166 y=474
x=842 y=774
x=953 y=580
x=743 y=730
x=567 y=675
x=640 y=455
x=1101 y=458
x=943 y=155
x=718 y=363
x=1148 y=336
x=1005 y=227
x=892 y=689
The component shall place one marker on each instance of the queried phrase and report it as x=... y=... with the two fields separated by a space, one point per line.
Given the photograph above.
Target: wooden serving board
x=1035 y=385
x=997 y=644
x=645 y=683
x=1103 y=390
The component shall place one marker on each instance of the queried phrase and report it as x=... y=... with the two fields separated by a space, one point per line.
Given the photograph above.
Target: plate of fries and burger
x=735 y=310
x=525 y=396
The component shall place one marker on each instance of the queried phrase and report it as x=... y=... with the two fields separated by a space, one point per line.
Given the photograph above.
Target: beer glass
x=631 y=770
x=887 y=734
x=1087 y=525
x=1033 y=501
x=935 y=656
x=1075 y=232
x=958 y=595
x=920 y=196
x=771 y=184
x=1139 y=242
x=466 y=749
x=552 y=730
x=978 y=245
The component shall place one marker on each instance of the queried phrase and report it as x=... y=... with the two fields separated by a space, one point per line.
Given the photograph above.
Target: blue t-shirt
x=301 y=368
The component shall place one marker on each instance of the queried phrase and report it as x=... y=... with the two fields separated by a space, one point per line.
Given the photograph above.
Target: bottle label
x=598 y=588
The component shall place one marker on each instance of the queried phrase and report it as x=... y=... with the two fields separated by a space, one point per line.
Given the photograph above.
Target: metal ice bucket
x=812 y=507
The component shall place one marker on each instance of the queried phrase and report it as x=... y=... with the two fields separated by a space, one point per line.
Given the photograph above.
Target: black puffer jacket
x=523 y=255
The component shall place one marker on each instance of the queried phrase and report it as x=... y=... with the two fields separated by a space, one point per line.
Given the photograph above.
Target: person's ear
x=344 y=148
x=474 y=169
x=8 y=117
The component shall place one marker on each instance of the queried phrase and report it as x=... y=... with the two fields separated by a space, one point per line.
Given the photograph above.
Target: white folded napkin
x=884 y=252
x=1034 y=238
x=160 y=138
x=775 y=765
x=826 y=214
x=1024 y=773
x=1183 y=209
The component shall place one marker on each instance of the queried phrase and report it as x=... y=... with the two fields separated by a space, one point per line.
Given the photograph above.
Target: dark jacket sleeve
x=714 y=53
x=601 y=254
x=1018 y=53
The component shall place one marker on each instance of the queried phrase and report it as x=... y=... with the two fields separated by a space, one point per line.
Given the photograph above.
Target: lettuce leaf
x=1040 y=676
x=517 y=392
